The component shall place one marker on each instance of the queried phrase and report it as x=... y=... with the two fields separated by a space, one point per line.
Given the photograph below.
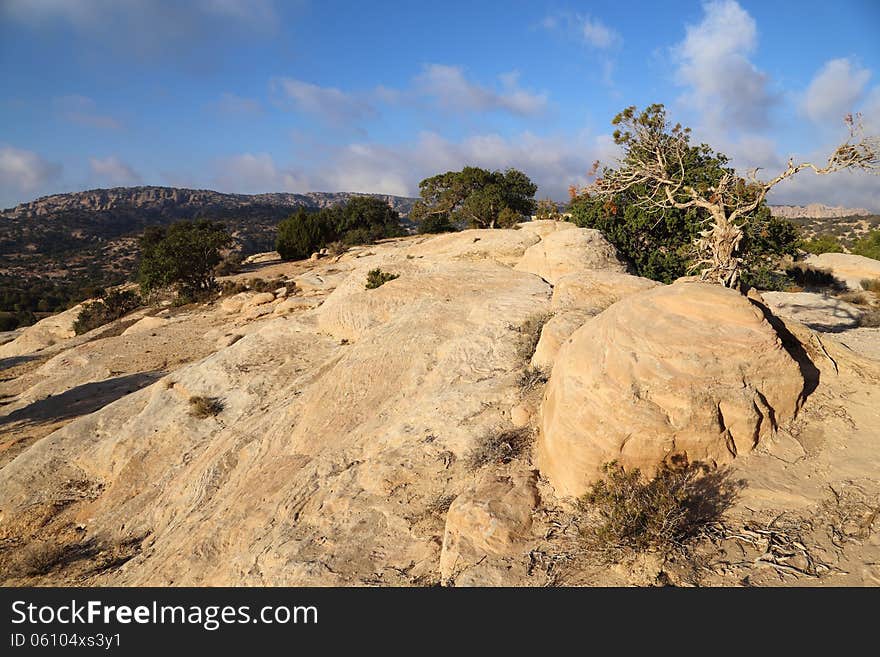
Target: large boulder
x=851 y=269
x=818 y=311
x=44 y=333
x=570 y=251
x=576 y=299
x=491 y=518
x=687 y=369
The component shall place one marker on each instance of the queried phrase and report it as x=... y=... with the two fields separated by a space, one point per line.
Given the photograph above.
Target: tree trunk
x=718 y=248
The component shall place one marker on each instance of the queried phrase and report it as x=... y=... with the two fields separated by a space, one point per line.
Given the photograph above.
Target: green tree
x=474 y=197
x=303 y=233
x=182 y=256
x=660 y=241
x=658 y=159
x=365 y=219
x=822 y=244
x=869 y=245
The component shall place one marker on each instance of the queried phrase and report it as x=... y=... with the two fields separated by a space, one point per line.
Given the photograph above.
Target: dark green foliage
x=822 y=244
x=378 y=278
x=362 y=220
x=814 y=279
x=231 y=264
x=869 y=245
x=659 y=243
x=474 y=197
x=629 y=512
x=112 y=306
x=182 y=256
x=436 y=223
x=303 y=233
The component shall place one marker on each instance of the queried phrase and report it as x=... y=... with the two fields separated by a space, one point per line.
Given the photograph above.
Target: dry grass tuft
x=530 y=334
x=626 y=512
x=499 y=448
x=204 y=407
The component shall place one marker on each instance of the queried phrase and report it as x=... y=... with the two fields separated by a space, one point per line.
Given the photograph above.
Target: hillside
x=59 y=244
x=437 y=429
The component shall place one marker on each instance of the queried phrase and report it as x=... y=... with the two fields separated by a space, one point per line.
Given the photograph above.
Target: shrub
x=871 y=285
x=113 y=305
x=378 y=278
x=203 y=407
x=547 y=210
x=531 y=377
x=870 y=319
x=809 y=277
x=626 y=511
x=262 y=285
x=499 y=448
x=182 y=256
x=530 y=335
x=436 y=223
x=231 y=264
x=869 y=245
x=303 y=233
x=822 y=244
x=361 y=220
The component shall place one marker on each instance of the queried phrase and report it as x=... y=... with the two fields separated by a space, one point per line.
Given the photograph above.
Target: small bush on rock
x=203 y=407
x=110 y=307
x=628 y=512
x=870 y=285
x=378 y=278
x=499 y=448
x=530 y=335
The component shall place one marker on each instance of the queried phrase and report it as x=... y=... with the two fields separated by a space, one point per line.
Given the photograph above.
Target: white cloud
x=835 y=90
x=449 y=87
x=553 y=162
x=23 y=172
x=83 y=111
x=250 y=173
x=328 y=103
x=112 y=171
x=234 y=105
x=713 y=63
x=597 y=34
x=588 y=29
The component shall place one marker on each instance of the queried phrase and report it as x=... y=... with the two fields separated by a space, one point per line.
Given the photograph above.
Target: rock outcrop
x=851 y=269
x=690 y=369
x=45 y=333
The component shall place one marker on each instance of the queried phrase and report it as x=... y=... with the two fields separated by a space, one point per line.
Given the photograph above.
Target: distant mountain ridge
x=54 y=247
x=176 y=200
x=816 y=211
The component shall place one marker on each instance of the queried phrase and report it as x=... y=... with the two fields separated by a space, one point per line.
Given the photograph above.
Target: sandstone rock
x=292 y=304
x=818 y=311
x=235 y=303
x=262 y=258
x=280 y=292
x=44 y=333
x=260 y=298
x=554 y=333
x=504 y=246
x=543 y=227
x=520 y=415
x=594 y=290
x=493 y=517
x=570 y=251
x=321 y=281
x=145 y=325
x=228 y=340
x=851 y=269
x=689 y=368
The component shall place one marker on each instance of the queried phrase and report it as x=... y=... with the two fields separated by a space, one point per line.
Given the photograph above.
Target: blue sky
x=373 y=96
